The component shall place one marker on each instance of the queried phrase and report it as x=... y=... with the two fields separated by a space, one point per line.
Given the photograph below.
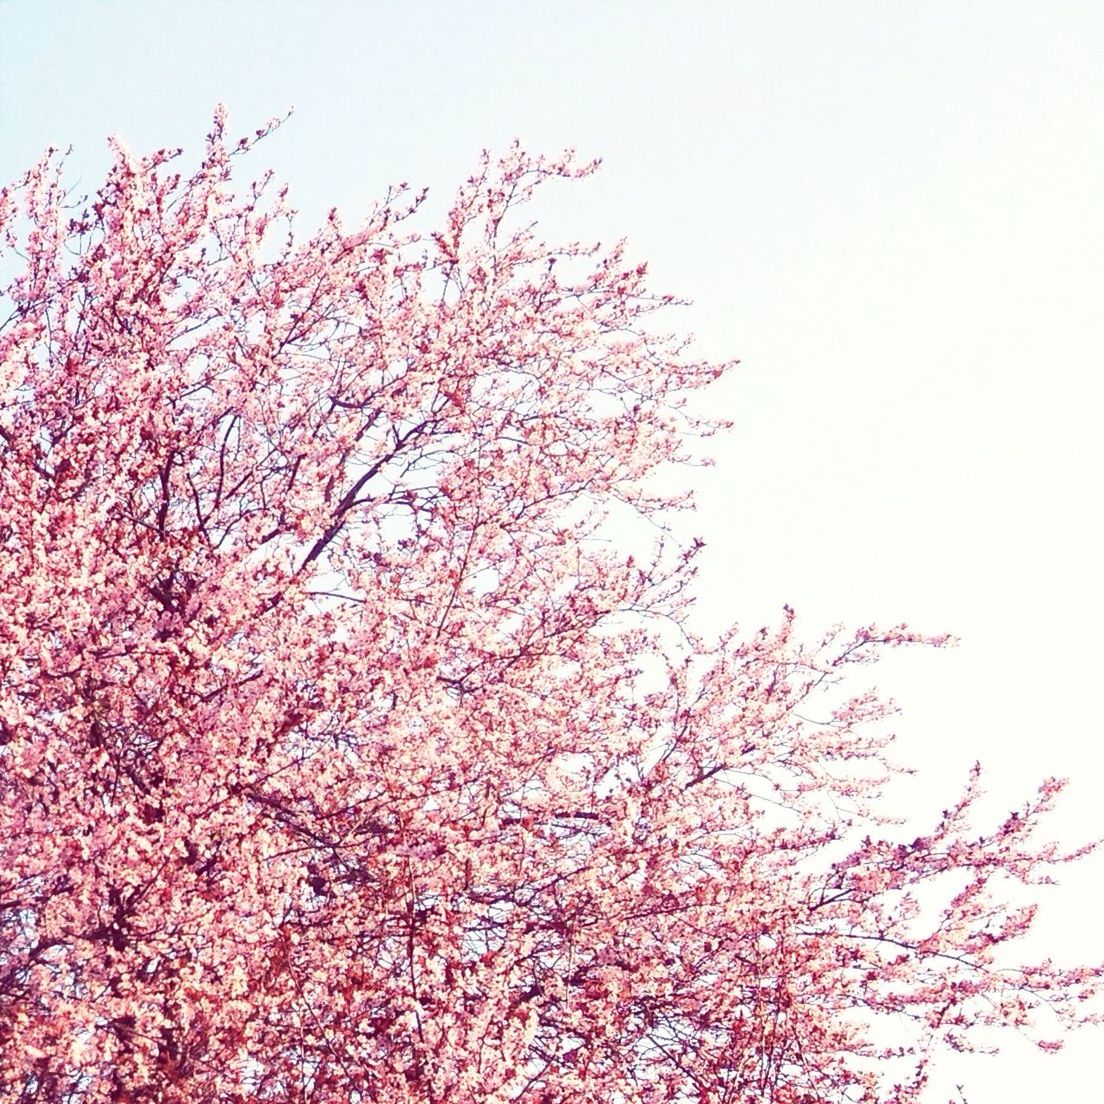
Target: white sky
x=890 y=212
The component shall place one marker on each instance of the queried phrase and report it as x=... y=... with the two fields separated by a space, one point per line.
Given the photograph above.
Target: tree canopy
x=345 y=757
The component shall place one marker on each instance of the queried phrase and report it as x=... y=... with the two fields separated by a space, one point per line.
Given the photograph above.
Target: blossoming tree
x=344 y=759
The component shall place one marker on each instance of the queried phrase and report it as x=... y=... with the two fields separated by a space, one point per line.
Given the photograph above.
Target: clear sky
x=891 y=212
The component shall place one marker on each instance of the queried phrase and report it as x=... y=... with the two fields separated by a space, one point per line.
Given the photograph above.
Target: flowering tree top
x=344 y=758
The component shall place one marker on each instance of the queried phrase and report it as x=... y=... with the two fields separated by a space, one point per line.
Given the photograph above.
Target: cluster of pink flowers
x=340 y=761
